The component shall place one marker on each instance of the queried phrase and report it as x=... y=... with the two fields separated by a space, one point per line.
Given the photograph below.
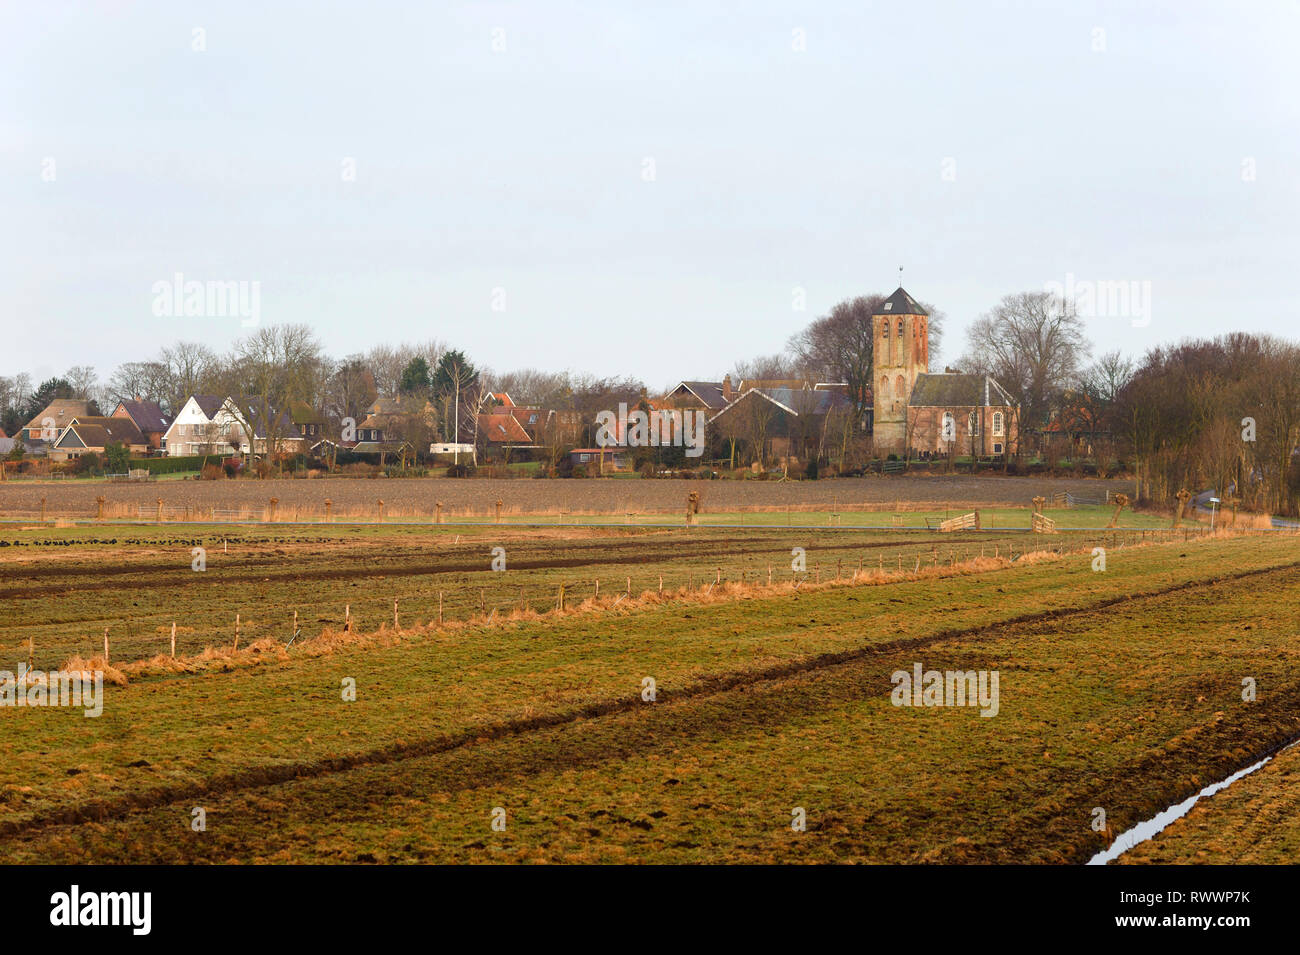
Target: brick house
x=145 y=415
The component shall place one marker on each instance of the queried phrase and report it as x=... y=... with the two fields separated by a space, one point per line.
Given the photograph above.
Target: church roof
x=951 y=390
x=900 y=303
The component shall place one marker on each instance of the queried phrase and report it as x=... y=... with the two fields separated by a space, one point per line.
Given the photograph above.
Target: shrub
x=169 y=465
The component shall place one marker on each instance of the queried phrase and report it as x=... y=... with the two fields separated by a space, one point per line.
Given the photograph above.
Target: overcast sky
x=577 y=186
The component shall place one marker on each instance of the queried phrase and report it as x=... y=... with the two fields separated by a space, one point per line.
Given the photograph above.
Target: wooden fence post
x=328 y=504
x=173 y=638
x=437 y=512
x=395 y=626
x=347 y=618
x=236 y=633
x=381 y=510
x=499 y=502
x=106 y=645
x=43 y=515
x=440 y=608
x=99 y=508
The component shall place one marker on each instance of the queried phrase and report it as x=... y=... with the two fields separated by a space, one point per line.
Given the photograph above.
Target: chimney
x=726 y=388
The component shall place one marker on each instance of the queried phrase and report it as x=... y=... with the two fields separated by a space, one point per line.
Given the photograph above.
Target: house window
x=997 y=424
x=997 y=448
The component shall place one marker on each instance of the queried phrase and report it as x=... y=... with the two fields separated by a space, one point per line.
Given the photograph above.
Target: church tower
x=901 y=351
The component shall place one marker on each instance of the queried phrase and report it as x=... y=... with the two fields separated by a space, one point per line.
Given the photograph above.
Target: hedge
x=192 y=462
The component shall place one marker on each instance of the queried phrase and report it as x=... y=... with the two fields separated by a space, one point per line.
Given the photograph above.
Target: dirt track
x=613 y=496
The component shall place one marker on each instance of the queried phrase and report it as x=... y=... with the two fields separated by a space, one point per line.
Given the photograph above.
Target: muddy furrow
x=368 y=568
x=263 y=776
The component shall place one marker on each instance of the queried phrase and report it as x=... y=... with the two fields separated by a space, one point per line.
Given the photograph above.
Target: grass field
x=1119 y=689
x=60 y=589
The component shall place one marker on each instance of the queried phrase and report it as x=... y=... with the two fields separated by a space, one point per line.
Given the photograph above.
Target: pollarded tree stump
x=1121 y=501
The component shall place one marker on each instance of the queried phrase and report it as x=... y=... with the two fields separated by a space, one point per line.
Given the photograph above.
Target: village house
x=206 y=424
x=49 y=424
x=708 y=396
x=791 y=422
x=147 y=416
x=309 y=422
x=87 y=434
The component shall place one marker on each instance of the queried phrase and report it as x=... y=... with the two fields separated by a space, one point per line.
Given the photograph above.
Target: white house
x=207 y=424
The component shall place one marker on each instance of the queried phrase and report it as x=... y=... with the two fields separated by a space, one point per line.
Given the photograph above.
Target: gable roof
x=284 y=424
x=98 y=432
x=62 y=410
x=147 y=415
x=808 y=401
x=709 y=392
x=900 y=303
x=303 y=413
x=955 y=390
x=208 y=404
x=502 y=429
x=794 y=401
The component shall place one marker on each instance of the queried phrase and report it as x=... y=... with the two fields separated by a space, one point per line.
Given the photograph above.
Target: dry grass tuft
x=78 y=663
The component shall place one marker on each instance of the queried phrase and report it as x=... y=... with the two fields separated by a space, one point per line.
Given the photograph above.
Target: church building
x=915 y=410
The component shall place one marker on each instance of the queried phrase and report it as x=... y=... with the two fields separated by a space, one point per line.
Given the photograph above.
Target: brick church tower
x=901 y=352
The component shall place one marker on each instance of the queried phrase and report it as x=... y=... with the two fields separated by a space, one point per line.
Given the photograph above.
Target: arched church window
x=973 y=423
x=900 y=388
x=997 y=423
x=884 y=389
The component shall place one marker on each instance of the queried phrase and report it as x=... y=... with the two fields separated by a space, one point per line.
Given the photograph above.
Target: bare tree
x=1032 y=343
x=191 y=368
x=271 y=368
